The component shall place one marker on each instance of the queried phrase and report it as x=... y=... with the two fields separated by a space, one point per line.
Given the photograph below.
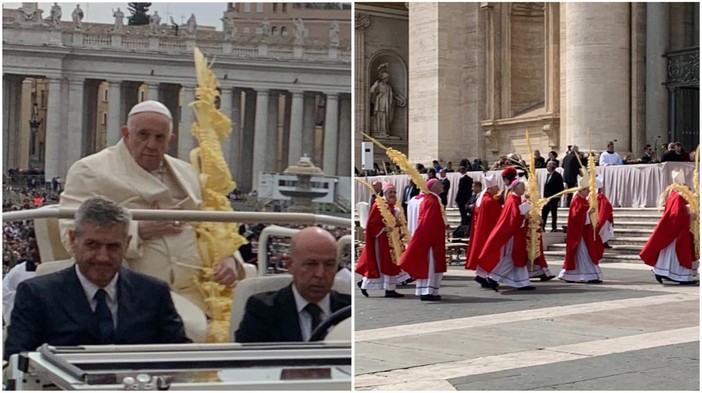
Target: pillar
x=260 y=135
x=598 y=75
x=271 y=158
x=75 y=124
x=247 y=139
x=308 y=126
x=657 y=44
x=185 y=138
x=331 y=131
x=344 y=149
x=226 y=108
x=114 y=110
x=296 y=116
x=152 y=91
x=54 y=132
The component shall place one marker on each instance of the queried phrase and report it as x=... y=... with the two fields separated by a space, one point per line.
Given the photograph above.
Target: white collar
x=301 y=303
x=90 y=288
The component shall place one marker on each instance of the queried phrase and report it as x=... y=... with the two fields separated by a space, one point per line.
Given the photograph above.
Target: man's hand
x=150 y=229
x=225 y=271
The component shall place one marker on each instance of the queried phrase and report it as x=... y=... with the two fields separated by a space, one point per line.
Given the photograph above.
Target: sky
x=206 y=14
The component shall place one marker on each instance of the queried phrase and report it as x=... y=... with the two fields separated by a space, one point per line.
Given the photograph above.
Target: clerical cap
x=584 y=181
x=151 y=106
x=388 y=186
x=679 y=177
x=599 y=181
x=509 y=173
x=491 y=181
x=431 y=182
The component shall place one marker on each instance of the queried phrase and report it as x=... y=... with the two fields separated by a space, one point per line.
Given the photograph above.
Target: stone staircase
x=632 y=228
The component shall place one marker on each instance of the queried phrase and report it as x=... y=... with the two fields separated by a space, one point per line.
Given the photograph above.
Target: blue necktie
x=104 y=317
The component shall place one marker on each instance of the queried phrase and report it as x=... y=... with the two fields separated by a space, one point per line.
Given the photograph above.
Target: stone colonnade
x=272 y=128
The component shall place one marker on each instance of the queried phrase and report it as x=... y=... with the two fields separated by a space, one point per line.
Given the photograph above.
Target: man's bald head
x=313 y=263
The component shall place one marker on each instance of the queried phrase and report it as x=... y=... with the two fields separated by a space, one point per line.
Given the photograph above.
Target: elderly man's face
x=98 y=251
x=390 y=195
x=313 y=263
x=148 y=139
x=584 y=192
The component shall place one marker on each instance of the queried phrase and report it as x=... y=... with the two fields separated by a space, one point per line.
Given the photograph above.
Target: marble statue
x=155 y=23
x=334 y=34
x=384 y=101
x=31 y=14
x=77 y=16
x=265 y=28
x=55 y=15
x=119 y=21
x=300 y=32
x=228 y=28
x=192 y=25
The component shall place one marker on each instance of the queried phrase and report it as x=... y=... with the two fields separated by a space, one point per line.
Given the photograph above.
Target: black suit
x=463 y=195
x=444 y=195
x=540 y=162
x=410 y=191
x=571 y=171
x=646 y=159
x=53 y=309
x=671 y=155
x=272 y=316
x=553 y=185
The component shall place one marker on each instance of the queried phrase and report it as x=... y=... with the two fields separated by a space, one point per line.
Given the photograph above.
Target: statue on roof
x=77 y=16
x=55 y=15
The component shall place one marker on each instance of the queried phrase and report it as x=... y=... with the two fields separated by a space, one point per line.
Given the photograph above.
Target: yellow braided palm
x=216 y=240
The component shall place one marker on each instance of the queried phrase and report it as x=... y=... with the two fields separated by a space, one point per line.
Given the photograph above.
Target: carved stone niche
x=552 y=130
x=491 y=140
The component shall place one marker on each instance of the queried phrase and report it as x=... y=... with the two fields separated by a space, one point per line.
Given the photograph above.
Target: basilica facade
x=468 y=79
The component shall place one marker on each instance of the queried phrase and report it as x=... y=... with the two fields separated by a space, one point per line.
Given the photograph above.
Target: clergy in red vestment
x=509 y=175
x=375 y=263
x=583 y=249
x=671 y=249
x=425 y=256
x=504 y=256
x=487 y=211
x=605 y=214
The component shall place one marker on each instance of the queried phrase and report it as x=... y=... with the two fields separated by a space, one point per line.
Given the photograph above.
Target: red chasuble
x=486 y=216
x=605 y=213
x=577 y=230
x=430 y=233
x=674 y=225
x=366 y=265
x=508 y=225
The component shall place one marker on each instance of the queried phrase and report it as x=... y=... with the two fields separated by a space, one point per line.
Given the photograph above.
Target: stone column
x=271 y=159
x=344 y=149
x=74 y=125
x=598 y=75
x=308 y=126
x=234 y=143
x=247 y=139
x=331 y=130
x=114 y=109
x=226 y=108
x=638 y=79
x=362 y=21
x=296 y=117
x=657 y=43
x=437 y=80
x=185 y=138
x=25 y=112
x=55 y=134
x=152 y=91
x=260 y=136
x=11 y=120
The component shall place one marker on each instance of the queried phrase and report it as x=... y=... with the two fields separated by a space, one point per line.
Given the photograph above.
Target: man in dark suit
x=553 y=185
x=571 y=170
x=292 y=313
x=673 y=153
x=648 y=157
x=95 y=301
x=447 y=184
x=465 y=184
x=410 y=191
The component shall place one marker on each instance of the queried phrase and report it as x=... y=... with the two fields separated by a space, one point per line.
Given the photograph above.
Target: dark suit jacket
x=671 y=155
x=53 y=309
x=413 y=192
x=272 y=316
x=571 y=168
x=645 y=159
x=554 y=185
x=444 y=195
x=540 y=162
x=465 y=188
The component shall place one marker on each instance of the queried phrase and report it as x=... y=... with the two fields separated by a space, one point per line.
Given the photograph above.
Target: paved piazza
x=629 y=333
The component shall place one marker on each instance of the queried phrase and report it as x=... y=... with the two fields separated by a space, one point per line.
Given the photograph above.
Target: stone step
x=616 y=249
x=557 y=257
x=629 y=241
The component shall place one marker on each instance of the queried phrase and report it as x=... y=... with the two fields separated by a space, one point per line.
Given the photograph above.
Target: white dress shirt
x=90 y=290
x=304 y=317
